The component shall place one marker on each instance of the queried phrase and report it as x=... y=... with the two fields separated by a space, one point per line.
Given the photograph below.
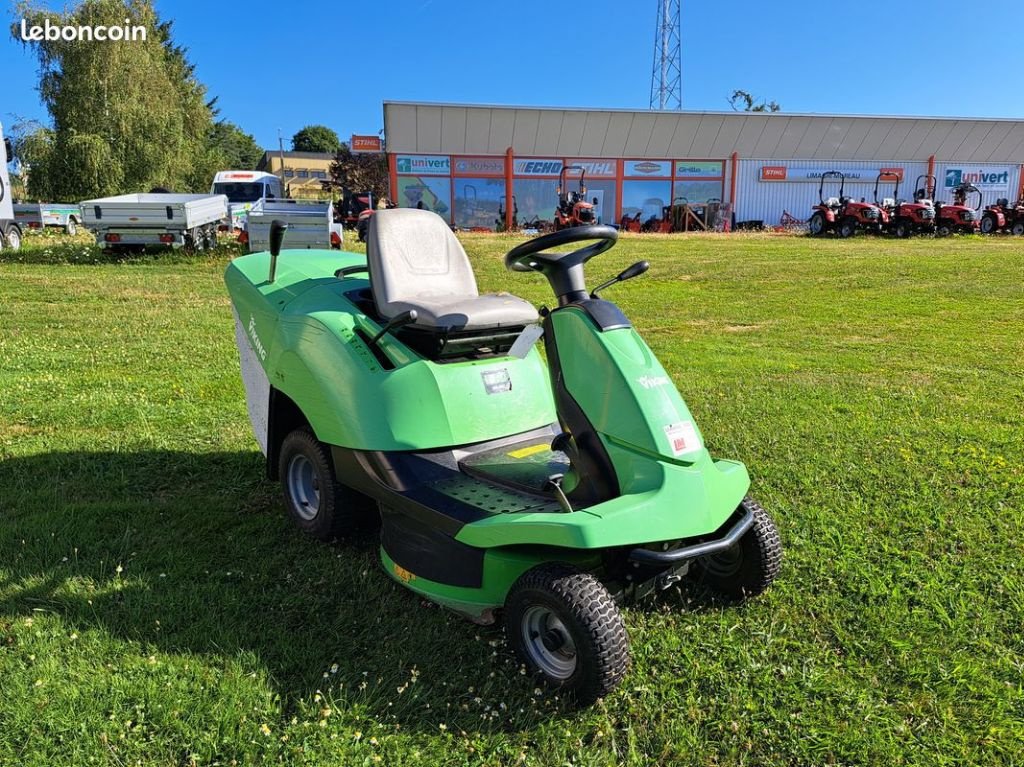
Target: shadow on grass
x=191 y=553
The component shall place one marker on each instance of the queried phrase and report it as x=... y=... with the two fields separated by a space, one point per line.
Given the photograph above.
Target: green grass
x=157 y=608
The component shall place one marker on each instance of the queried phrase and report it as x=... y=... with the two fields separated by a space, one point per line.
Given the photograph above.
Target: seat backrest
x=413 y=254
x=832 y=202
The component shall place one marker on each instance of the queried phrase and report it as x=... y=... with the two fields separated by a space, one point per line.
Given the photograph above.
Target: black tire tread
x=595 y=616
x=343 y=511
x=763 y=537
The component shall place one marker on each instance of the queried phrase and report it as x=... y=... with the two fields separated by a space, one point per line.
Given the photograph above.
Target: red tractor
x=1003 y=217
x=502 y=209
x=842 y=214
x=958 y=216
x=904 y=218
x=573 y=208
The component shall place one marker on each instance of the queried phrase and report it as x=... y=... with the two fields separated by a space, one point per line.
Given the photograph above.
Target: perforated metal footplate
x=491 y=499
x=521 y=467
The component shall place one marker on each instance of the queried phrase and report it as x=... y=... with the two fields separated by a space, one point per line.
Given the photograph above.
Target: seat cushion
x=493 y=310
x=416 y=262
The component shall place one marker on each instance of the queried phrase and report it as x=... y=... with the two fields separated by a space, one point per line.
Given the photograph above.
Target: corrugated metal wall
x=765 y=200
x=758 y=200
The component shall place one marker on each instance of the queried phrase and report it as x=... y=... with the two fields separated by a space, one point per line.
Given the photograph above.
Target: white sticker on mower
x=682 y=437
x=653 y=382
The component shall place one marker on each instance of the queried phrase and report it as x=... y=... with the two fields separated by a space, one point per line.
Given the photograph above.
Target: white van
x=10 y=232
x=245 y=189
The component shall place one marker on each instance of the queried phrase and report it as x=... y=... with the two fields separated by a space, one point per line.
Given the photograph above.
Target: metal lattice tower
x=666 y=74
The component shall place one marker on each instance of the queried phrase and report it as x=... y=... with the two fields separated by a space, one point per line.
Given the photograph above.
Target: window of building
x=477 y=201
x=289 y=173
x=647 y=198
x=432 y=193
x=319 y=174
x=302 y=173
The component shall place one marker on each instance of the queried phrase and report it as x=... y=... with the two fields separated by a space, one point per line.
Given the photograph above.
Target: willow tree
x=126 y=115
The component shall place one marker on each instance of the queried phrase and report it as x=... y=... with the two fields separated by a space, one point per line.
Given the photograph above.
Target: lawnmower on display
x=1003 y=217
x=573 y=208
x=385 y=389
x=843 y=215
x=958 y=217
x=502 y=210
x=903 y=218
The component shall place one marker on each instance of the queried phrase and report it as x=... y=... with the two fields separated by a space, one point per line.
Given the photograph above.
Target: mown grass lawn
x=156 y=607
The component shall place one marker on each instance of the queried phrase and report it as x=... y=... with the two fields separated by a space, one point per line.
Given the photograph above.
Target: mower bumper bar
x=647 y=556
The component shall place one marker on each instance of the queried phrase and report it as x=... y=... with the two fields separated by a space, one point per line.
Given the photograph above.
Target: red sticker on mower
x=682 y=437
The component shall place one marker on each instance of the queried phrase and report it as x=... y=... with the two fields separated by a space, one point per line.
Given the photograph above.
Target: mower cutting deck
x=386 y=388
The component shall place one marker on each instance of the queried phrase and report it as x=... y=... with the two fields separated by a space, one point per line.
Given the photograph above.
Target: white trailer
x=10 y=231
x=38 y=215
x=310 y=225
x=133 y=221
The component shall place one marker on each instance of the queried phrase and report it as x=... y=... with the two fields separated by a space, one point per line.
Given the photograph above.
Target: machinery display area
x=682 y=171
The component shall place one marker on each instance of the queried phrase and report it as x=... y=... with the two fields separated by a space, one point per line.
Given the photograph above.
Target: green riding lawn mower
x=386 y=390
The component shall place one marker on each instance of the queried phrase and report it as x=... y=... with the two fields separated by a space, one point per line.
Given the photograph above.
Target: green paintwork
x=501 y=569
x=306 y=327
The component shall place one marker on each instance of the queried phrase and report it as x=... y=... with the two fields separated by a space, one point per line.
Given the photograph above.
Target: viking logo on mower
x=256 y=343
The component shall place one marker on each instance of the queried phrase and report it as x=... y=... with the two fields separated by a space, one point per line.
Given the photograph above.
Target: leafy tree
x=235 y=148
x=360 y=172
x=742 y=101
x=316 y=138
x=126 y=116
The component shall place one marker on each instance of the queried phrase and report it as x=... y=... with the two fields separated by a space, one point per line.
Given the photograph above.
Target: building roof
x=426 y=128
x=298 y=155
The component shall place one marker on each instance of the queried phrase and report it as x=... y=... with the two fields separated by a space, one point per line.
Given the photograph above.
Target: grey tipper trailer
x=133 y=221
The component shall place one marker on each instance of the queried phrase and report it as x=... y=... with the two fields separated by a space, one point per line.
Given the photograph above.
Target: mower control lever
x=277 y=230
x=626 y=274
x=398 y=321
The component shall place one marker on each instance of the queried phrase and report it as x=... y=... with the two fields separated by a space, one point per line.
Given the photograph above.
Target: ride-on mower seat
x=416 y=262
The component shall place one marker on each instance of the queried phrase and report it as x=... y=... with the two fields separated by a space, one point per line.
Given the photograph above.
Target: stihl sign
x=365 y=143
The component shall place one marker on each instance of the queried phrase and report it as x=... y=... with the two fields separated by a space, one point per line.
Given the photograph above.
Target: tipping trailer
x=133 y=221
x=310 y=225
x=39 y=215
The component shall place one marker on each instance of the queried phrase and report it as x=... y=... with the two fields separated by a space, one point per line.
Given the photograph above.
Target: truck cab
x=245 y=189
x=10 y=232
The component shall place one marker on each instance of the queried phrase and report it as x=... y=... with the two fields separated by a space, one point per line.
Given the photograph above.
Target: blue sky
x=284 y=65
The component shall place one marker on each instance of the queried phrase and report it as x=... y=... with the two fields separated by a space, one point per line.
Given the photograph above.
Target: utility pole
x=666 y=73
x=280 y=150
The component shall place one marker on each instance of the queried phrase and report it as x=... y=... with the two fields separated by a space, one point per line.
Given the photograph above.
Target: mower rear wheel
x=847 y=227
x=564 y=625
x=749 y=567
x=817 y=225
x=321 y=506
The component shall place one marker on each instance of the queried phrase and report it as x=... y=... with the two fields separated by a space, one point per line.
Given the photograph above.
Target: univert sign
x=983 y=178
x=423 y=164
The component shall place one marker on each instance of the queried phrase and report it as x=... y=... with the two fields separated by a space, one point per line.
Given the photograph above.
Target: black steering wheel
x=563 y=270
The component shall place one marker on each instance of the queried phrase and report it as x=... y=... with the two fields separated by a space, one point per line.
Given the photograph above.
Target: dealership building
x=462 y=160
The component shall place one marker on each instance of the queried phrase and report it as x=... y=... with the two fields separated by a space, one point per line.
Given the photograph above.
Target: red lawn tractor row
x=845 y=216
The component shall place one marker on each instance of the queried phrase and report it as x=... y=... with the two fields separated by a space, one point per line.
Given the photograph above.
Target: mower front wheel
x=749 y=567
x=564 y=625
x=321 y=506
x=1017 y=228
x=904 y=229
